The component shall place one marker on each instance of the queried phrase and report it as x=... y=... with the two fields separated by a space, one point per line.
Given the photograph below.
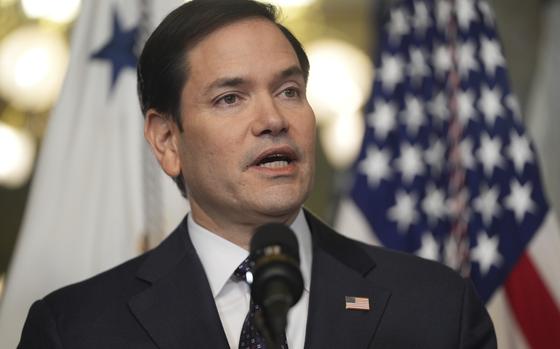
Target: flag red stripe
x=535 y=310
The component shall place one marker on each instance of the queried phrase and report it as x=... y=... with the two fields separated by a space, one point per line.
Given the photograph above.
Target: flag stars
x=457 y=205
x=421 y=20
x=466 y=13
x=487 y=204
x=434 y=156
x=466 y=58
x=486 y=11
x=489 y=104
x=119 y=50
x=465 y=105
x=467 y=158
x=489 y=154
x=513 y=105
x=442 y=60
x=383 y=119
x=404 y=211
x=413 y=115
x=434 y=204
x=418 y=68
x=375 y=166
x=398 y=25
x=410 y=163
x=443 y=13
x=519 y=200
x=451 y=252
x=519 y=151
x=429 y=247
x=391 y=71
x=486 y=253
x=491 y=55
x=438 y=108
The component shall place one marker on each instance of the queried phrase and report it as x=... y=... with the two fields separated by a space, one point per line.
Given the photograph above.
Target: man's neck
x=239 y=231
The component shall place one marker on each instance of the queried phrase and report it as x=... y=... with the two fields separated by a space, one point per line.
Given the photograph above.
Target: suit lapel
x=341 y=268
x=177 y=310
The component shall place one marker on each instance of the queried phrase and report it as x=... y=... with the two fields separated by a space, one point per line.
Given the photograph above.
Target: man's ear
x=162 y=134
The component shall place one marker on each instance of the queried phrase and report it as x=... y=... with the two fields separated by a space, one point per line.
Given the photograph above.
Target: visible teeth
x=275 y=164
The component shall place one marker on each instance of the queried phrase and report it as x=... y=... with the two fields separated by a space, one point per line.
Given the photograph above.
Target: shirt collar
x=219 y=257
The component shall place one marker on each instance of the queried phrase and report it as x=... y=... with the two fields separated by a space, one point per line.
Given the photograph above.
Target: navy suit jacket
x=162 y=299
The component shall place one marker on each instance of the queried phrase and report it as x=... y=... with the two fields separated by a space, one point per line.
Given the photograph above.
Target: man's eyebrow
x=294 y=71
x=224 y=82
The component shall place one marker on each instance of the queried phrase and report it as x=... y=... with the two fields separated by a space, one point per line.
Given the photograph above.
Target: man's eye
x=228 y=99
x=291 y=92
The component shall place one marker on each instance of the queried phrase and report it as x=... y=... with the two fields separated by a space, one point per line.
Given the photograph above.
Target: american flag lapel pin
x=357 y=303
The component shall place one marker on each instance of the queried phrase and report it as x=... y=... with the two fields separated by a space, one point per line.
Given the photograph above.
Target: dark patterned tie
x=251 y=338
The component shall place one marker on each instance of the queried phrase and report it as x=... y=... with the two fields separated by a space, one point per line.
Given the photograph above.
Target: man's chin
x=277 y=209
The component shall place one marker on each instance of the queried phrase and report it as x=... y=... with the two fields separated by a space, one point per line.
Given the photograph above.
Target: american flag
x=357 y=303
x=446 y=170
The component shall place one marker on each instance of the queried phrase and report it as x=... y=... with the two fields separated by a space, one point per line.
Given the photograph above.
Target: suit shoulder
x=82 y=312
x=387 y=263
x=407 y=262
x=404 y=271
x=117 y=282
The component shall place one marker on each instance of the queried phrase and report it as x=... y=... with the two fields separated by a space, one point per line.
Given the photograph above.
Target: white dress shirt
x=221 y=257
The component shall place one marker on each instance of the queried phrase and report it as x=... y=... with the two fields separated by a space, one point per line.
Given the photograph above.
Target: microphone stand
x=271 y=343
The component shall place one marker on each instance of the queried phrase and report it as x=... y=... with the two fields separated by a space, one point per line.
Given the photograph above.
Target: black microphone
x=277 y=281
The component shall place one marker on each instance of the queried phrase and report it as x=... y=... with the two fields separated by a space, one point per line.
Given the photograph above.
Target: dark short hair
x=163 y=68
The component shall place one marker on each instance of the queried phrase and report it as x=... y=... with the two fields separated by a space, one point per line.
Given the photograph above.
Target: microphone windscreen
x=276 y=234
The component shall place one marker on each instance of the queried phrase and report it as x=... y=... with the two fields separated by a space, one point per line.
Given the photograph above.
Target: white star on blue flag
x=405 y=177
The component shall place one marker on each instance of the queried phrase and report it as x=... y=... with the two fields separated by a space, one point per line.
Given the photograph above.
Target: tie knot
x=241 y=271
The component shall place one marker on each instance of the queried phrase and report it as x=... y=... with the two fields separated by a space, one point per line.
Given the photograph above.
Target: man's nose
x=269 y=119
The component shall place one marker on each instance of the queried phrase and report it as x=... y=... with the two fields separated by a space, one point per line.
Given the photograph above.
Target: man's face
x=247 y=151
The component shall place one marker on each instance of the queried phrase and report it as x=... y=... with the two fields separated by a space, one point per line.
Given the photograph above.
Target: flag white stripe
x=508 y=333
x=544 y=251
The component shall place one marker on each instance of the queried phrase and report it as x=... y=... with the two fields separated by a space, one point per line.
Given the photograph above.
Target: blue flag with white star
x=446 y=170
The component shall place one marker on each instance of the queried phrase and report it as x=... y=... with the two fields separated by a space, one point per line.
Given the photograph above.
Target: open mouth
x=274 y=161
x=275 y=158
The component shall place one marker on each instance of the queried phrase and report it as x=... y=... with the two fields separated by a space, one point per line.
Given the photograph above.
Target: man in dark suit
x=222 y=88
